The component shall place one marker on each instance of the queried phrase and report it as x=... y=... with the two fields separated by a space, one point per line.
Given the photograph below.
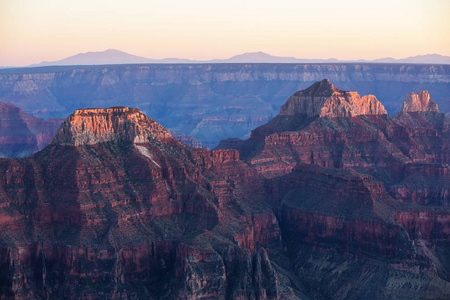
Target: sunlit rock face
x=93 y=126
x=420 y=101
x=322 y=99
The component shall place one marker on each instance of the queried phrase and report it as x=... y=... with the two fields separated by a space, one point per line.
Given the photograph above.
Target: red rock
x=420 y=101
x=93 y=126
x=322 y=99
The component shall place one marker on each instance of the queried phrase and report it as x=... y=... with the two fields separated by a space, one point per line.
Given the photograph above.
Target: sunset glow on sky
x=36 y=30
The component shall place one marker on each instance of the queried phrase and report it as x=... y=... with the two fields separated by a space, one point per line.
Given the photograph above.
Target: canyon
x=331 y=199
x=210 y=102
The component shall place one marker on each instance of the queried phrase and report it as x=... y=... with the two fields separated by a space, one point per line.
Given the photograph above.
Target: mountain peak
x=112 y=50
x=109 y=56
x=420 y=101
x=100 y=125
x=322 y=99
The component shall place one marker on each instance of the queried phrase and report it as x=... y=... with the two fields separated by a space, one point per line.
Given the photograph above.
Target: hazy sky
x=35 y=30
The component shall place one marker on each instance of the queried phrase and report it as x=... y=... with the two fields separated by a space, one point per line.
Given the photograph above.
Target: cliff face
x=209 y=102
x=419 y=102
x=22 y=134
x=93 y=126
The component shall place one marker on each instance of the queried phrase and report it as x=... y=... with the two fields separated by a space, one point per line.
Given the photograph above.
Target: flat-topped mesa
x=100 y=125
x=420 y=101
x=322 y=99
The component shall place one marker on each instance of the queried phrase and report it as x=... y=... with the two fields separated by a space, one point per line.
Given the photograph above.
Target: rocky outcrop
x=322 y=99
x=22 y=134
x=420 y=101
x=93 y=126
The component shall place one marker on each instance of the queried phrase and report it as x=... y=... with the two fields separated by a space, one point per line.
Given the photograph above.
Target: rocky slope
x=115 y=207
x=210 y=102
x=22 y=134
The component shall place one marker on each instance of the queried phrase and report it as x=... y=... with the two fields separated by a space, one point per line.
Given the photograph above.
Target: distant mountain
x=107 y=57
x=112 y=56
x=261 y=57
x=419 y=59
x=427 y=59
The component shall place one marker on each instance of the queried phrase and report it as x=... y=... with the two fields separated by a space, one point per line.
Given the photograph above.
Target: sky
x=32 y=31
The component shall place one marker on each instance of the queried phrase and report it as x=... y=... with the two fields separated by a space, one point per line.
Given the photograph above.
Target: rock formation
x=362 y=141
x=93 y=126
x=420 y=101
x=322 y=99
x=22 y=134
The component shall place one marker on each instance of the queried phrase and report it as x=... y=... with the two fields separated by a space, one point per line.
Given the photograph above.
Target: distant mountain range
x=112 y=56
